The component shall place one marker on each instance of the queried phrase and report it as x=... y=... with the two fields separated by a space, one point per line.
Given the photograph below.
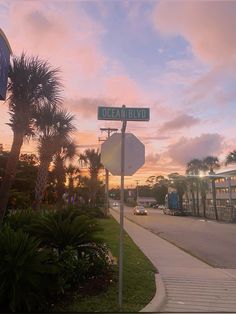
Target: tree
x=31 y=82
x=160 y=188
x=21 y=192
x=194 y=166
x=54 y=128
x=73 y=175
x=67 y=151
x=92 y=159
x=211 y=163
x=231 y=158
x=180 y=184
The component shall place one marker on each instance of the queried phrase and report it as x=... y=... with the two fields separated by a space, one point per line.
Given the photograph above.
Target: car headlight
x=145 y=211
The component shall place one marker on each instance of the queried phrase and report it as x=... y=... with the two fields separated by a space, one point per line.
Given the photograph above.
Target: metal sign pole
x=122 y=206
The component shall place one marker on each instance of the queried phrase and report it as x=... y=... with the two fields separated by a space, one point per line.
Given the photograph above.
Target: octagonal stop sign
x=111 y=154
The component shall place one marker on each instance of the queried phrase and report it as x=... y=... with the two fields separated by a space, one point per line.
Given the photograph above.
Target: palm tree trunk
x=71 y=186
x=204 y=205
x=193 y=199
x=197 y=188
x=10 y=172
x=60 y=186
x=41 y=183
x=214 y=198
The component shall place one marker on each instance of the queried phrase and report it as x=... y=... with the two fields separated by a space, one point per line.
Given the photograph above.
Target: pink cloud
x=64 y=34
x=179 y=122
x=208 y=26
x=201 y=146
x=123 y=89
x=152 y=158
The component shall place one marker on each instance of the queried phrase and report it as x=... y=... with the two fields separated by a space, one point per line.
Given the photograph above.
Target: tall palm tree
x=231 y=158
x=67 y=151
x=54 y=127
x=211 y=163
x=32 y=81
x=194 y=166
x=92 y=159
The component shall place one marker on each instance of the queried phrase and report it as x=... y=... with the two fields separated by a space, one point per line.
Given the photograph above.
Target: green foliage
x=25 y=271
x=18 y=200
x=22 y=190
x=92 y=212
x=139 y=285
x=45 y=254
x=77 y=267
x=160 y=192
x=64 y=228
x=20 y=219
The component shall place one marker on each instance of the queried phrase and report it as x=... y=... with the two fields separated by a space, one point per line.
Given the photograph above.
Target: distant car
x=140 y=210
x=115 y=204
x=155 y=206
x=161 y=207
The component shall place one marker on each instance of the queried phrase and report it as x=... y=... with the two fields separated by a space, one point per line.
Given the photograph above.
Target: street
x=210 y=241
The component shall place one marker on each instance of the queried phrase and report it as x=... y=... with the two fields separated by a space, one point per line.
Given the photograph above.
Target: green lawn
x=139 y=278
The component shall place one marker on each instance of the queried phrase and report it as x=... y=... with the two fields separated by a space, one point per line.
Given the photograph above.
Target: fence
x=225 y=213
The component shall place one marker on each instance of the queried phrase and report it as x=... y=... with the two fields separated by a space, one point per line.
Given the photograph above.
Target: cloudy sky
x=176 y=57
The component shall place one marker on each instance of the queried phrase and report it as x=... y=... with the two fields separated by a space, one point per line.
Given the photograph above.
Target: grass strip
x=139 y=278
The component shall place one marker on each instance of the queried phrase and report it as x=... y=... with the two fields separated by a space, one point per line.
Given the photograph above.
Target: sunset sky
x=176 y=57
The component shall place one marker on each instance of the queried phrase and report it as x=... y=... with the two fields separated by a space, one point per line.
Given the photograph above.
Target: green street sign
x=130 y=114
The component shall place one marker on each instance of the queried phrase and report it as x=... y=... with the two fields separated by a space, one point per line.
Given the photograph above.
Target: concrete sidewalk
x=190 y=284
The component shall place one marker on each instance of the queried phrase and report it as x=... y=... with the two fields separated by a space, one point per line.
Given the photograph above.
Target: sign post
x=122 y=114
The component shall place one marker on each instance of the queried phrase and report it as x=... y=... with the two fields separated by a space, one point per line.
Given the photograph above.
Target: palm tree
x=31 y=82
x=53 y=128
x=193 y=168
x=67 y=151
x=211 y=163
x=73 y=174
x=231 y=158
x=92 y=159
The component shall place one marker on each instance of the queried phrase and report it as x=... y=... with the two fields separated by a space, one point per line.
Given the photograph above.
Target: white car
x=140 y=210
x=115 y=204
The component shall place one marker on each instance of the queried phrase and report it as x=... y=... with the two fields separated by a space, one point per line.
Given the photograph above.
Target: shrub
x=26 y=273
x=92 y=212
x=78 y=267
x=20 y=219
x=61 y=229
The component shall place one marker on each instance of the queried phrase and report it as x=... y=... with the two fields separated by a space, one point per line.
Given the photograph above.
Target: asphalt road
x=212 y=242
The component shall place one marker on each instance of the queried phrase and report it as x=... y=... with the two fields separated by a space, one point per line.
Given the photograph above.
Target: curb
x=159 y=298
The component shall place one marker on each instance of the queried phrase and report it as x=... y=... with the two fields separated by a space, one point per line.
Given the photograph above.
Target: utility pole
x=108 y=131
x=137 y=181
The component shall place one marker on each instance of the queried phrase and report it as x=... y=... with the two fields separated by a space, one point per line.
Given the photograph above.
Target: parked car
x=174 y=212
x=161 y=207
x=155 y=206
x=140 y=210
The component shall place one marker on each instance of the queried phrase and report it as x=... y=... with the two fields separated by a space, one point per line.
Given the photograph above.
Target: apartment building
x=225 y=182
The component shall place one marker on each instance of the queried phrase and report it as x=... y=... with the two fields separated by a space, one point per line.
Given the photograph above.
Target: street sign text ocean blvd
x=131 y=114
